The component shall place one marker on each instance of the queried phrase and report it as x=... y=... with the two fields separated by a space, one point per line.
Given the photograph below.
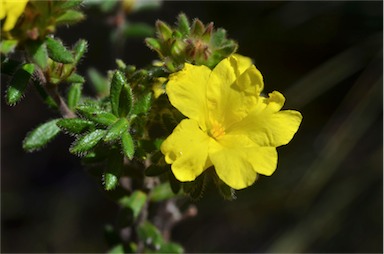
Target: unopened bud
x=165 y=32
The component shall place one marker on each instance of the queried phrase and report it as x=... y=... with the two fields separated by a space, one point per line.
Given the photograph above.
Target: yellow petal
x=238 y=166
x=187 y=150
x=187 y=90
x=13 y=9
x=233 y=90
x=2 y=9
x=266 y=126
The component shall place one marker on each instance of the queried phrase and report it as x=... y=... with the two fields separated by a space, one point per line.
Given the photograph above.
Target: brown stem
x=53 y=91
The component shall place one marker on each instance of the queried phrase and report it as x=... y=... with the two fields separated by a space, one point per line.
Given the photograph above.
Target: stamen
x=217 y=130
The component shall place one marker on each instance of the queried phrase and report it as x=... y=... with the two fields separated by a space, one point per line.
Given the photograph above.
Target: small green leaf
x=150 y=235
x=74 y=95
x=67 y=4
x=138 y=30
x=79 y=49
x=75 y=78
x=57 y=52
x=197 y=28
x=7 y=46
x=142 y=104
x=125 y=101
x=87 y=142
x=96 y=115
x=113 y=170
x=161 y=192
x=37 y=52
x=183 y=24
x=75 y=125
x=70 y=17
x=117 y=249
x=127 y=145
x=99 y=82
x=40 y=136
x=18 y=83
x=164 y=31
x=171 y=248
x=118 y=81
x=153 y=44
x=116 y=130
x=135 y=202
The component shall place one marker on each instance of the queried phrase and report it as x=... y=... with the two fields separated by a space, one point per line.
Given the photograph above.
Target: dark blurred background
x=327 y=193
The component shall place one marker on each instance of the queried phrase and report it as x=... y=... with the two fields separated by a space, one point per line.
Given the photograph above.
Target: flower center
x=217 y=130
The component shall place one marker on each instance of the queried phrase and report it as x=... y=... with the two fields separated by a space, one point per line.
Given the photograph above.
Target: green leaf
x=135 y=202
x=142 y=104
x=161 y=192
x=67 y=4
x=171 y=248
x=117 y=249
x=125 y=101
x=150 y=235
x=74 y=95
x=7 y=46
x=96 y=115
x=117 y=83
x=37 y=52
x=113 y=170
x=40 y=136
x=127 y=145
x=70 y=17
x=57 y=52
x=75 y=125
x=18 y=83
x=153 y=44
x=99 y=82
x=138 y=30
x=197 y=28
x=75 y=78
x=87 y=142
x=79 y=49
x=183 y=24
x=116 y=130
x=164 y=31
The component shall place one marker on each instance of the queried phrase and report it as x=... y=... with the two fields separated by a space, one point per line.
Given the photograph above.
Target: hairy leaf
x=116 y=130
x=37 y=52
x=96 y=115
x=87 y=142
x=18 y=83
x=75 y=125
x=40 y=136
x=127 y=145
x=74 y=95
x=57 y=52
x=118 y=81
x=113 y=170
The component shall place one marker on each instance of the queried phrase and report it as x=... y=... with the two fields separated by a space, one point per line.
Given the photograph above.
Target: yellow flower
x=11 y=10
x=158 y=88
x=230 y=126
